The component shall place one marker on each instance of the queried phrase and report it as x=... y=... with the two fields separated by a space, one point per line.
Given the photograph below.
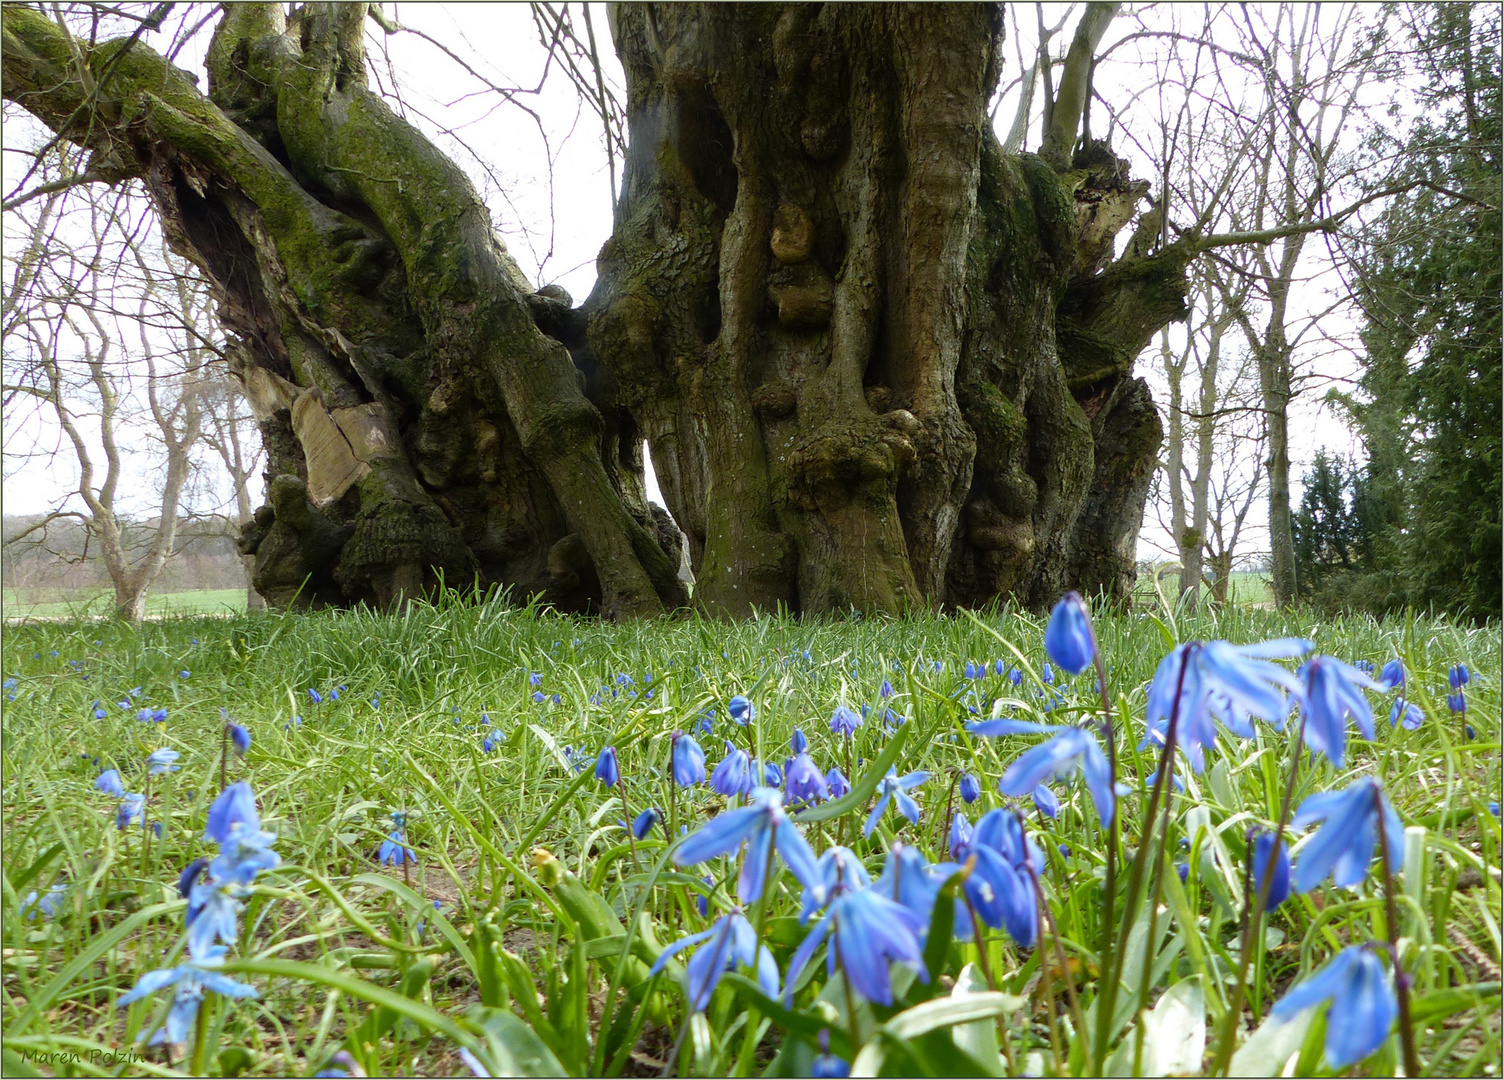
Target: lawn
x=95 y=604
x=520 y=940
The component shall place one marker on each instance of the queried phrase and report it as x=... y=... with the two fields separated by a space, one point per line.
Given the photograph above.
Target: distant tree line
x=1417 y=523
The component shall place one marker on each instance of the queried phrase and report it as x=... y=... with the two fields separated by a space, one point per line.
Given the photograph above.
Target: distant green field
x=195 y=602
x=1248 y=586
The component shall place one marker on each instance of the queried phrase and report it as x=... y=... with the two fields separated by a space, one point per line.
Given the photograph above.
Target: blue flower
x=835 y=783
x=894 y=788
x=243 y=854
x=1392 y=677
x=971 y=788
x=393 y=850
x=892 y=721
x=763 y=826
x=1333 y=693
x=234 y=806
x=797 y=742
x=1068 y=639
x=1279 y=884
x=741 y=710
x=534 y=679
x=1363 y=1005
x=1345 y=843
x=131 y=808
x=970 y=671
x=213 y=915
x=1458 y=676
x=688 y=761
x=240 y=737
x=314 y=696
x=885 y=691
x=161 y=761
x=606 y=769
x=837 y=868
x=1457 y=702
x=539 y=697
x=192 y=979
x=844 y=721
x=732 y=943
x=143 y=715
x=1405 y=712
x=733 y=776
x=1070 y=749
x=867 y=932
x=184 y=674
x=1046 y=802
x=644 y=822
x=959 y=841
x=803 y=782
x=109 y=783
x=48 y=905
x=491 y=741
x=1216 y=672
x=706 y=722
x=772 y=775
x=189 y=878
x=1048 y=674
x=1000 y=888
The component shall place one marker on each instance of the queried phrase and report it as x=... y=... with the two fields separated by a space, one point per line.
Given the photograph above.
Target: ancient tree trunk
x=418 y=423
x=880 y=363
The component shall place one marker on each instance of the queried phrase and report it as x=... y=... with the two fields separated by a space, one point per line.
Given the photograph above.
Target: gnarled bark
x=418 y=423
x=880 y=364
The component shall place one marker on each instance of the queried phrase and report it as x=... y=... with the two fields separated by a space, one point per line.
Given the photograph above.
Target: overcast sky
x=538 y=158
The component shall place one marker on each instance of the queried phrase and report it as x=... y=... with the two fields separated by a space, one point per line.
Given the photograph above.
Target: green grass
x=17 y=605
x=332 y=940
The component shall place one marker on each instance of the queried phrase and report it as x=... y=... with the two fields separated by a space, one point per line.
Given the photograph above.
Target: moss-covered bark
x=419 y=424
x=879 y=363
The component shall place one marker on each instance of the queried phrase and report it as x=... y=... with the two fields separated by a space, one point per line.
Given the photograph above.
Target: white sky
x=547 y=183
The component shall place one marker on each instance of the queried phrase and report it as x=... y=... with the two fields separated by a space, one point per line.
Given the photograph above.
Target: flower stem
x=1152 y=938
x=201 y=1036
x=1392 y=932
x=621 y=789
x=1107 y=1003
x=224 y=756
x=1114 y=825
x=1077 y=1016
x=1254 y=912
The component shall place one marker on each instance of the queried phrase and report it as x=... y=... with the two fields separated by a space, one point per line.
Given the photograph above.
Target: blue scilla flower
x=1216 y=672
x=826 y=1065
x=243 y=854
x=189 y=877
x=1015 y=676
x=837 y=868
x=644 y=822
x=394 y=850
x=959 y=840
x=491 y=741
x=1046 y=802
x=1406 y=713
x=213 y=915
x=606 y=769
x=1279 y=883
x=534 y=679
x=844 y=721
x=241 y=738
x=1458 y=677
x=705 y=725
x=797 y=742
x=772 y=775
x=970 y=670
x=894 y=788
x=131 y=808
x=161 y=761
x=733 y=776
x=763 y=826
x=1363 y=1005
x=184 y=674
x=143 y=716
x=835 y=783
x=729 y=943
x=688 y=760
x=1068 y=639
x=1344 y=845
x=192 y=980
x=971 y=788
x=911 y=880
x=803 y=782
x=885 y=691
x=314 y=696
x=234 y=806
x=1457 y=702
x=1392 y=677
x=867 y=932
x=47 y=906
x=1071 y=748
x=1000 y=888
x=109 y=783
x=892 y=721
x=741 y=710
x=1333 y=692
